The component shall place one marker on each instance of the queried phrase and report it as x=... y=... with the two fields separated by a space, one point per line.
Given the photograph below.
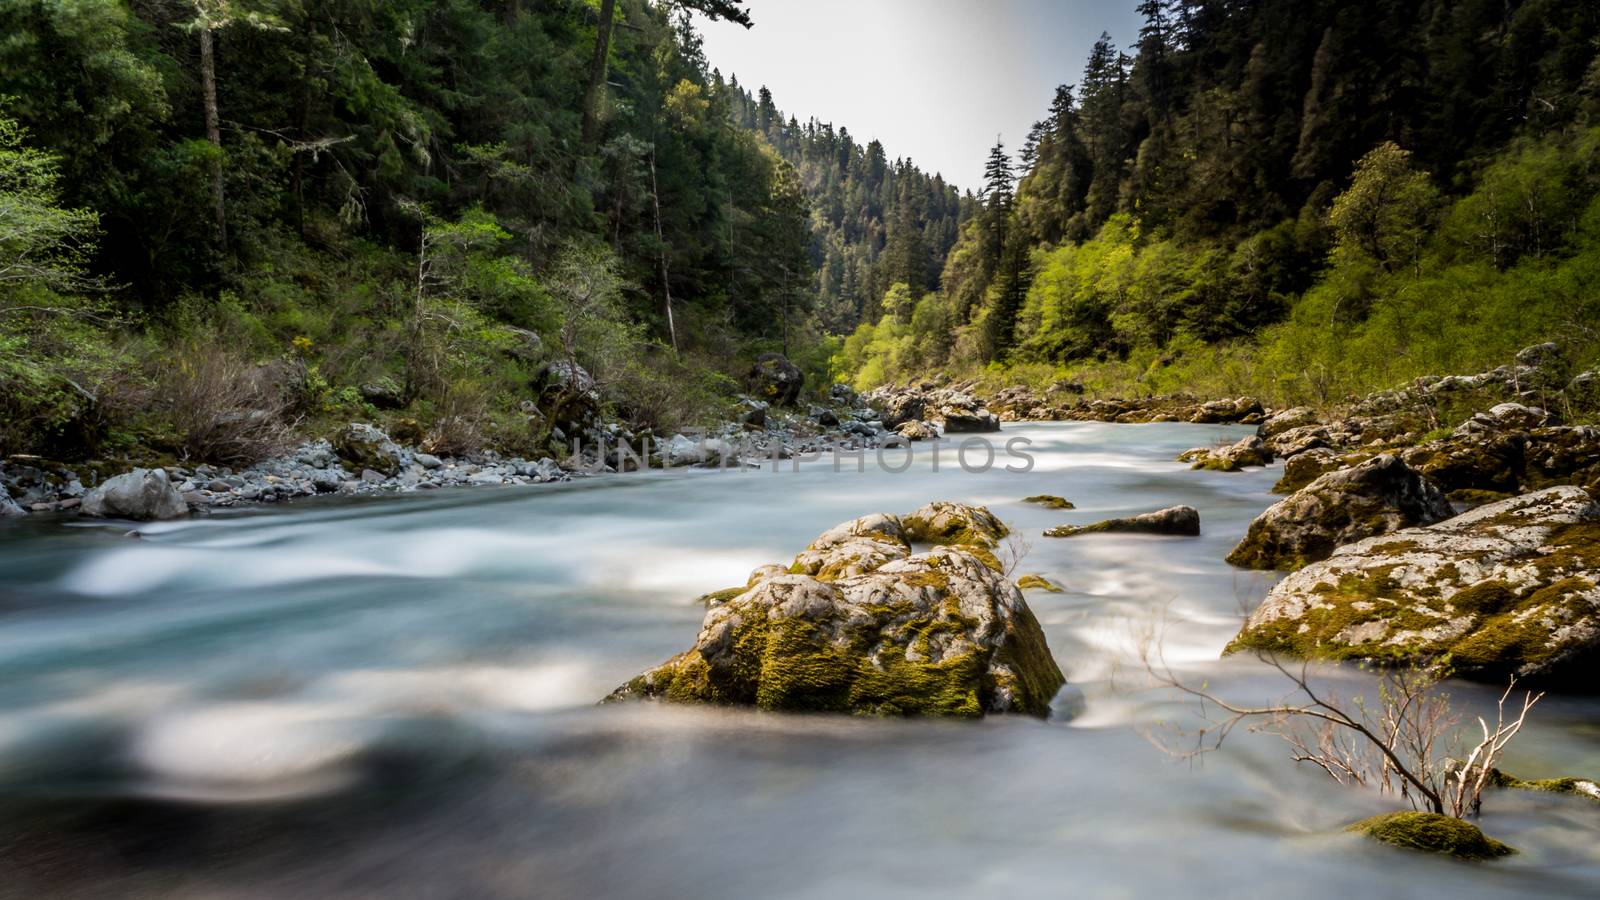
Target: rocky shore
x=361 y=458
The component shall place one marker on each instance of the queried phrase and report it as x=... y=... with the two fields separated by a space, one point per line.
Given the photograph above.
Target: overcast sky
x=935 y=80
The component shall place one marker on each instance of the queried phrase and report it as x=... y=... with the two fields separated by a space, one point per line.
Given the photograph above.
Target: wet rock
x=9 y=508
x=940 y=633
x=775 y=379
x=1175 y=520
x=365 y=446
x=143 y=494
x=1506 y=589
x=1375 y=497
x=917 y=431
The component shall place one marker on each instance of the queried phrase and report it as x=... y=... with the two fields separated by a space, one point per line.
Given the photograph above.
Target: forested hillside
x=280 y=212
x=874 y=223
x=1300 y=199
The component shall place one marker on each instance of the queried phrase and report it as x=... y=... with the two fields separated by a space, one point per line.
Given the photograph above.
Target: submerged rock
x=1179 y=520
x=1378 y=496
x=1576 y=787
x=1051 y=501
x=937 y=633
x=1506 y=589
x=143 y=494
x=1037 y=582
x=1433 y=833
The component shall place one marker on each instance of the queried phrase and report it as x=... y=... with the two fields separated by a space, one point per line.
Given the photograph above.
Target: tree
x=1386 y=213
x=732 y=10
x=212 y=16
x=42 y=244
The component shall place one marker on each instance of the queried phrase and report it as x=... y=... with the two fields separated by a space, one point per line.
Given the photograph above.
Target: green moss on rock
x=1051 y=501
x=1031 y=582
x=1432 y=833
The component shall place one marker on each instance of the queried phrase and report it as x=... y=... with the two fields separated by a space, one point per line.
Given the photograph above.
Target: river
x=397 y=697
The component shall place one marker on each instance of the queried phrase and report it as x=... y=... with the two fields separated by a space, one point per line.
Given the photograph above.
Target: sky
x=936 y=80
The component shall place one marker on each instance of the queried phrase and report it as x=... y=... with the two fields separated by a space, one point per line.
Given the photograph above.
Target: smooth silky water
x=397 y=697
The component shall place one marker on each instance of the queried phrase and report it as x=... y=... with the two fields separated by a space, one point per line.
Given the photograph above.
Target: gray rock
x=143 y=494
x=428 y=461
x=327 y=480
x=1509 y=588
x=1375 y=497
x=9 y=507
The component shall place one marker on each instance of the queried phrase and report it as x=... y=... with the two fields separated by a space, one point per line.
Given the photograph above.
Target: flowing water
x=396 y=697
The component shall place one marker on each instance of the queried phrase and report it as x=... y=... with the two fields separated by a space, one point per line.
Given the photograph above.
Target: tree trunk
x=597 y=72
x=208 y=89
x=666 y=285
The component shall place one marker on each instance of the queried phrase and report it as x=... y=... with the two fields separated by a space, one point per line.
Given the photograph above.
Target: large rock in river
x=939 y=633
x=1506 y=589
x=142 y=494
x=1375 y=497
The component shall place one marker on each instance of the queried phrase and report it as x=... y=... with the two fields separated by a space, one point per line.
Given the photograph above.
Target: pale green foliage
x=1387 y=212
x=42 y=244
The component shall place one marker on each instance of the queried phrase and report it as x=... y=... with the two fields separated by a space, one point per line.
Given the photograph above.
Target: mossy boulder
x=1303 y=468
x=1250 y=451
x=1511 y=588
x=939 y=633
x=1177 y=520
x=368 y=447
x=1375 y=497
x=1051 y=501
x=943 y=522
x=775 y=380
x=1485 y=462
x=1432 y=833
x=854 y=548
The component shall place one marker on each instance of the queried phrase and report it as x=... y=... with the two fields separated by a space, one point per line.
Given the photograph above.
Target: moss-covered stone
x=940 y=633
x=1512 y=588
x=1037 y=582
x=1578 y=787
x=1376 y=497
x=944 y=523
x=1432 y=833
x=1051 y=501
x=716 y=598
